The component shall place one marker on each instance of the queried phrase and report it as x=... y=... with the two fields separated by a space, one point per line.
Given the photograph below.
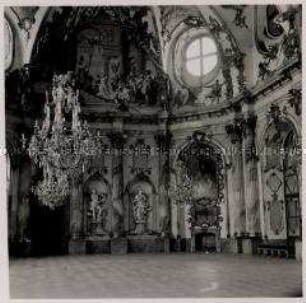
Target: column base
x=166 y=245
x=250 y=245
x=98 y=246
x=235 y=245
x=77 y=247
x=298 y=250
x=119 y=246
x=147 y=244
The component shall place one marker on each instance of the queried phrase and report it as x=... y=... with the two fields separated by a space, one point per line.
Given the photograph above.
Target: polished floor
x=155 y=275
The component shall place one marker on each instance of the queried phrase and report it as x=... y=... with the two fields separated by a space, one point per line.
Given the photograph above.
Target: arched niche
x=140 y=200
x=98 y=208
x=203 y=163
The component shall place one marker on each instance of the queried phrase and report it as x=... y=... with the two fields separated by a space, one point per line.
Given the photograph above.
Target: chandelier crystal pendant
x=62 y=144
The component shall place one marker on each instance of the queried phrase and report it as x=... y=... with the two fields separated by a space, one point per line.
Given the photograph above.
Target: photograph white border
x=4 y=266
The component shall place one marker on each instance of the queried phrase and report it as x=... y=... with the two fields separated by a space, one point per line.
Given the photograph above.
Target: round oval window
x=201 y=56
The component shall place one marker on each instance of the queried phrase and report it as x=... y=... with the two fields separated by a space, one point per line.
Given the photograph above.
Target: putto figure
x=95 y=206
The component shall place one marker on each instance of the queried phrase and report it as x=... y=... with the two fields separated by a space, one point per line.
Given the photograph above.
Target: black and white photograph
x=153 y=151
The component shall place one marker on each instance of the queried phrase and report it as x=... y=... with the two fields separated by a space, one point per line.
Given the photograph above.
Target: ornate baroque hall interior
x=154 y=151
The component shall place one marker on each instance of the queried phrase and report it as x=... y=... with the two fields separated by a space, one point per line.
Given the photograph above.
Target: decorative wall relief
x=239 y=19
x=26 y=17
x=277 y=183
x=274 y=138
x=292 y=174
x=274 y=183
x=236 y=130
x=171 y=17
x=213 y=93
x=276 y=213
x=141 y=158
x=277 y=37
x=99 y=59
x=295 y=100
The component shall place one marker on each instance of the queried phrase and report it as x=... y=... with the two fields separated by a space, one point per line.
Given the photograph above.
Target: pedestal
x=119 y=246
x=77 y=247
x=145 y=244
x=166 y=245
x=298 y=251
x=98 y=245
x=249 y=245
x=235 y=245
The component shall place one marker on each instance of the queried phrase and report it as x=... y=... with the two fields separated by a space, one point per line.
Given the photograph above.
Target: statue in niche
x=101 y=86
x=95 y=206
x=114 y=69
x=98 y=212
x=141 y=208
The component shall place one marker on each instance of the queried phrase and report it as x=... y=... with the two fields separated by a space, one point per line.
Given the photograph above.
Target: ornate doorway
x=203 y=164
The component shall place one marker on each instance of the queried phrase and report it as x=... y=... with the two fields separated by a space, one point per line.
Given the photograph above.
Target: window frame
x=185 y=78
x=201 y=57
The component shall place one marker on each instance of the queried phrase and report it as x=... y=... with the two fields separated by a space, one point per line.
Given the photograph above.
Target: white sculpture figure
x=46 y=123
x=140 y=210
x=75 y=117
x=114 y=69
x=58 y=110
x=102 y=86
x=95 y=205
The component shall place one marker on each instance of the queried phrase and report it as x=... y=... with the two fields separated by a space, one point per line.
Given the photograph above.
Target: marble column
x=117 y=139
x=163 y=141
x=76 y=209
x=250 y=178
x=236 y=201
x=77 y=241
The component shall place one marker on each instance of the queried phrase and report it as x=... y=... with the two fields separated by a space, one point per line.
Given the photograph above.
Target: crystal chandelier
x=62 y=143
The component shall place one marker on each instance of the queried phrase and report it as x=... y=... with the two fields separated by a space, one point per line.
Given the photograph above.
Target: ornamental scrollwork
x=141 y=158
x=283 y=27
x=295 y=100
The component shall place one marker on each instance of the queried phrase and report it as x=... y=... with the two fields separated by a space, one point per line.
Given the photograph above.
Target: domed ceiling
x=135 y=59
